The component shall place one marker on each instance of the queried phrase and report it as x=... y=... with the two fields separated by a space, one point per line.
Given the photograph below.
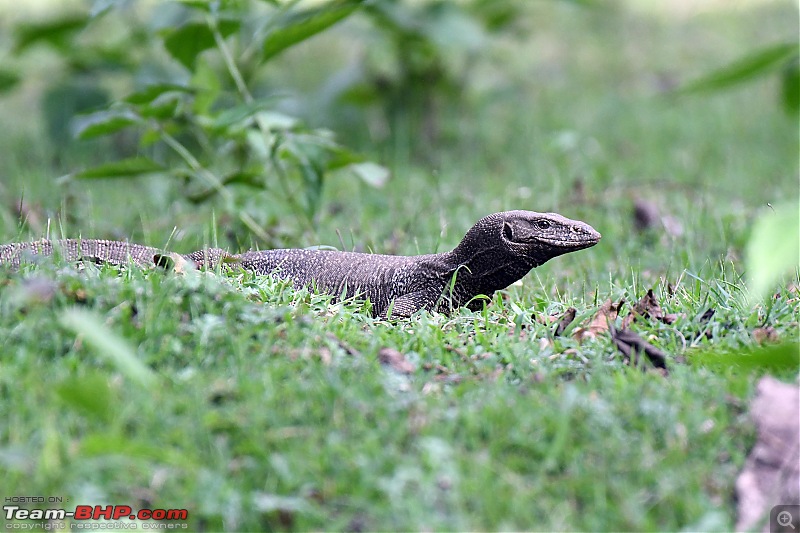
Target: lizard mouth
x=579 y=237
x=566 y=243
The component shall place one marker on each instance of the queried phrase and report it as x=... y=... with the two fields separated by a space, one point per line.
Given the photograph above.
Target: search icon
x=785 y=519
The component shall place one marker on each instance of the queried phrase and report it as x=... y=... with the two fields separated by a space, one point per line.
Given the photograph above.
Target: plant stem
x=214 y=182
x=263 y=127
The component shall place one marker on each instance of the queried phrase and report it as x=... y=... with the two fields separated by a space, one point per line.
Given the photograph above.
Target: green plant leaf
x=239 y=177
x=790 y=87
x=372 y=173
x=341 y=157
x=240 y=115
x=8 y=80
x=188 y=41
x=151 y=92
x=209 y=87
x=103 y=123
x=773 y=358
x=744 y=69
x=299 y=26
x=163 y=108
x=313 y=181
x=773 y=249
x=134 y=166
x=108 y=345
x=56 y=33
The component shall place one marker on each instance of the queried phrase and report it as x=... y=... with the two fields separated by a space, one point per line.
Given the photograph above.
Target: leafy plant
x=200 y=123
x=773 y=249
x=783 y=57
x=416 y=65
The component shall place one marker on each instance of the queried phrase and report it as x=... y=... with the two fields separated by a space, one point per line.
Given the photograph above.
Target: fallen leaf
x=648 y=307
x=449 y=378
x=349 y=350
x=396 y=360
x=771 y=472
x=632 y=346
x=324 y=355
x=646 y=215
x=703 y=319
x=545 y=319
x=565 y=321
x=459 y=352
x=605 y=316
x=765 y=334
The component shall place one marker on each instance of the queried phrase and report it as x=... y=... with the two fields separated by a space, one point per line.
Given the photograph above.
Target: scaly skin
x=497 y=251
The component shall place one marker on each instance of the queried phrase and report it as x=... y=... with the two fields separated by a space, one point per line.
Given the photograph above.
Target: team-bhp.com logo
x=95 y=517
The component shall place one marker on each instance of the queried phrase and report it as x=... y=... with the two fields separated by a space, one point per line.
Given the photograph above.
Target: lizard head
x=546 y=235
x=530 y=236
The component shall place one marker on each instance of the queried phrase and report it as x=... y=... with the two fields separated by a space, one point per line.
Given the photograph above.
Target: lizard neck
x=488 y=269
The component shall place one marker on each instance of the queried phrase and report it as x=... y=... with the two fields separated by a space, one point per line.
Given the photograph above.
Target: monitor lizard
x=497 y=251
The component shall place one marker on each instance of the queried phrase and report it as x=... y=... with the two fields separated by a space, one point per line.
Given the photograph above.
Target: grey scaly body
x=497 y=251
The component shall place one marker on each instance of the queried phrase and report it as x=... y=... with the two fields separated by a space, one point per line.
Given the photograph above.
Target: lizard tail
x=100 y=251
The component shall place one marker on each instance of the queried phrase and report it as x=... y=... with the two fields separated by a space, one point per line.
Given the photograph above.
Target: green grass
x=265 y=398
x=267 y=408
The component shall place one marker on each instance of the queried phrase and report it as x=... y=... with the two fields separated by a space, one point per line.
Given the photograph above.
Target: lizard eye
x=507 y=232
x=542 y=224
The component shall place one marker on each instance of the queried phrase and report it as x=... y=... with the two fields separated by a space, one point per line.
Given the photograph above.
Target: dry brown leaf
x=566 y=320
x=646 y=215
x=703 y=319
x=349 y=350
x=772 y=470
x=458 y=351
x=648 y=307
x=632 y=345
x=606 y=315
x=765 y=334
x=396 y=360
x=324 y=355
x=449 y=378
x=545 y=319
